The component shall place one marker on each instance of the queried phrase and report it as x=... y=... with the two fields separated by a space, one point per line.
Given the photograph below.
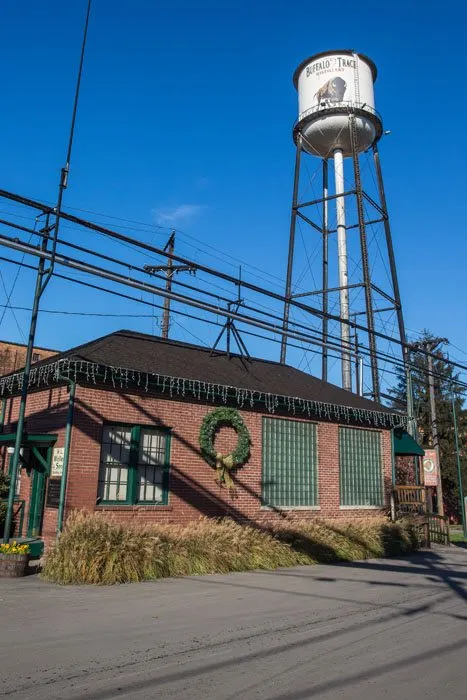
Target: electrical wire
x=20 y=266
x=257 y=289
x=11 y=308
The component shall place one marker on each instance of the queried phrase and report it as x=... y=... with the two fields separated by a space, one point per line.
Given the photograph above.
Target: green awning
x=404 y=444
x=39 y=440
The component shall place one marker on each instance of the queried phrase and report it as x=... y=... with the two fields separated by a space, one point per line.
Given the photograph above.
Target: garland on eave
x=124 y=378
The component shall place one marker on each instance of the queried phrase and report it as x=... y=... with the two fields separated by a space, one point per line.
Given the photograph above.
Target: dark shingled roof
x=147 y=353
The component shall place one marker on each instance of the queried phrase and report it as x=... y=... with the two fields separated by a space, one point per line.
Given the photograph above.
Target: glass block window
x=361 y=467
x=134 y=465
x=289 y=463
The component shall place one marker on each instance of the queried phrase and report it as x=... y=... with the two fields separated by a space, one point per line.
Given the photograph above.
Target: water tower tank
x=330 y=85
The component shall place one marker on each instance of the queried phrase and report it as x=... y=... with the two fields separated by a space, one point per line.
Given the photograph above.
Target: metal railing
x=349 y=105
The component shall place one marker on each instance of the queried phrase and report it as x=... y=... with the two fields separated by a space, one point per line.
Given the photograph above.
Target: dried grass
x=94 y=549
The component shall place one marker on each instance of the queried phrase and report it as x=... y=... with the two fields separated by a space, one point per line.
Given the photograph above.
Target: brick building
x=13 y=356
x=135 y=410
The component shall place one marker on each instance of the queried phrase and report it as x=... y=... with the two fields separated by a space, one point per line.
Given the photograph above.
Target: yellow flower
x=14 y=548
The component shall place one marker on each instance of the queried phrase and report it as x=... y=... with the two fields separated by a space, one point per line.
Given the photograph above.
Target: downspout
x=393 y=470
x=66 y=456
x=393 y=458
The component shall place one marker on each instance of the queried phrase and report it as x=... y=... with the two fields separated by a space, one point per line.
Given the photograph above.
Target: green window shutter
x=361 y=467
x=289 y=463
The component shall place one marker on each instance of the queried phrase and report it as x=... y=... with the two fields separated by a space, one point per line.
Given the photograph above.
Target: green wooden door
x=37 y=498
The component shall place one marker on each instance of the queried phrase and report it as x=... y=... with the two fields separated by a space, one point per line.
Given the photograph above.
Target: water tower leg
x=365 y=260
x=342 y=267
x=293 y=221
x=395 y=286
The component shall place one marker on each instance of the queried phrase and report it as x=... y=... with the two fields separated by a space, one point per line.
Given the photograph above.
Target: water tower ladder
x=356 y=78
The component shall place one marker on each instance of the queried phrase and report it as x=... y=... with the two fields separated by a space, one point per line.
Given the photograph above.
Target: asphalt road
x=375 y=629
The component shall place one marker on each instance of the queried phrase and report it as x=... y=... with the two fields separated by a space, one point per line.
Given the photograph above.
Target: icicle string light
x=94 y=373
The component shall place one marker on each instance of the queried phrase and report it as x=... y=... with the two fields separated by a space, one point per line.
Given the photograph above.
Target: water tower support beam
x=293 y=222
x=324 y=369
x=395 y=286
x=365 y=263
x=342 y=267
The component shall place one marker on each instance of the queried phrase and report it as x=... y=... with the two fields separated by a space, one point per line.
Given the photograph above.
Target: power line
x=105 y=314
x=114 y=235
x=396 y=363
x=218 y=311
x=15 y=281
x=7 y=305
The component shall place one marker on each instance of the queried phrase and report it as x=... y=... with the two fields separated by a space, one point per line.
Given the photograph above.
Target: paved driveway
x=375 y=629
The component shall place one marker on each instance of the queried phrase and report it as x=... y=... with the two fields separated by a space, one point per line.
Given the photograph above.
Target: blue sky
x=185 y=121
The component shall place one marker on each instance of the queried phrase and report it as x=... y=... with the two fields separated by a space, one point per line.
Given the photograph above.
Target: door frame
x=40 y=446
x=40 y=467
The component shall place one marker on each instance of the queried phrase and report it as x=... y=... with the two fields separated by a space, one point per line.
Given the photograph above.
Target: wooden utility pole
x=170 y=270
x=430 y=346
x=434 y=433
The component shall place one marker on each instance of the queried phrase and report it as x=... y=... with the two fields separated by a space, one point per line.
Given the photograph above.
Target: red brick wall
x=193 y=491
x=13 y=356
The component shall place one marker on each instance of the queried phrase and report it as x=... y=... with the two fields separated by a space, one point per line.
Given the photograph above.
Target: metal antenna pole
x=324 y=370
x=66 y=169
x=42 y=279
x=342 y=267
x=293 y=221
x=24 y=389
x=365 y=263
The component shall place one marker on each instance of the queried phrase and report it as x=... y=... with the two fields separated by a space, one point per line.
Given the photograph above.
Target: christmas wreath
x=223 y=464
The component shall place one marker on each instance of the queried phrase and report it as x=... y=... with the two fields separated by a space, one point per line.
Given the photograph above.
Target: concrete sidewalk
x=381 y=628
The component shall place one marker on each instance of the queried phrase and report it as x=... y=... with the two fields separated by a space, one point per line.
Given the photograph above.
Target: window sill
x=136 y=507
x=363 y=507
x=285 y=508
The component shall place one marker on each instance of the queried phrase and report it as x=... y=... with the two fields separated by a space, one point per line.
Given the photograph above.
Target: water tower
x=338 y=124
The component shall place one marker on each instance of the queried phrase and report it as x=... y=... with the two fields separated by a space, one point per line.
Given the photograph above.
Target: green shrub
x=97 y=550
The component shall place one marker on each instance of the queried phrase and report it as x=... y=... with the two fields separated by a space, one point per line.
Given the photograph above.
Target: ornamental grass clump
x=209 y=546
x=92 y=549
x=97 y=550
x=327 y=541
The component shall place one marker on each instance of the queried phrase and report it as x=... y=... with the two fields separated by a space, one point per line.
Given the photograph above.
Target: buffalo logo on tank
x=332 y=91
